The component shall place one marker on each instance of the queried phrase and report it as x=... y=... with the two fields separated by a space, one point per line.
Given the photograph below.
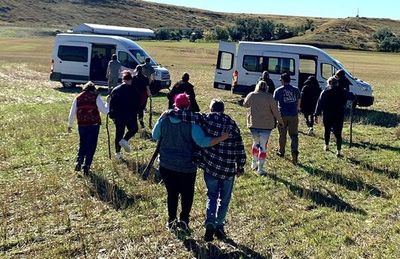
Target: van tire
x=68 y=84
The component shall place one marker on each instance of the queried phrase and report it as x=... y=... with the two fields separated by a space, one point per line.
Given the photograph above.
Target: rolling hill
x=353 y=33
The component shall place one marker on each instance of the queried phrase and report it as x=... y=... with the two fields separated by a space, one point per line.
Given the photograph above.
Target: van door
x=277 y=63
x=225 y=65
x=73 y=61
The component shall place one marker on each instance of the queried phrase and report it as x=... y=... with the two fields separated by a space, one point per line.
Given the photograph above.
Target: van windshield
x=141 y=56
x=340 y=65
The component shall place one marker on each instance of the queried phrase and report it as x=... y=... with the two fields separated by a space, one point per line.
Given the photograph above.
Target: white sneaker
x=339 y=153
x=326 y=147
x=118 y=156
x=123 y=143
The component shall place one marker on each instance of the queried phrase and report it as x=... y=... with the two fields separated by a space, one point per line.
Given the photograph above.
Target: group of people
x=212 y=141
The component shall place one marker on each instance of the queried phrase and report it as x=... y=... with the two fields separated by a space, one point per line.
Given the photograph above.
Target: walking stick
x=146 y=171
x=151 y=113
x=108 y=138
x=351 y=126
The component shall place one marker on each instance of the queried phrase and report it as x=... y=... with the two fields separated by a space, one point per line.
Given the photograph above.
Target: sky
x=313 y=8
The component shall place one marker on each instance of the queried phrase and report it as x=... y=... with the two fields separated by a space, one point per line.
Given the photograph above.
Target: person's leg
x=293 y=125
x=262 y=155
x=170 y=180
x=225 y=194
x=187 y=183
x=82 y=147
x=327 y=131
x=141 y=115
x=306 y=117
x=282 y=135
x=212 y=198
x=255 y=148
x=132 y=126
x=119 y=133
x=337 y=130
x=93 y=134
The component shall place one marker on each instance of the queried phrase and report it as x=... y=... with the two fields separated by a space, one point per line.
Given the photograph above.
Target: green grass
x=324 y=207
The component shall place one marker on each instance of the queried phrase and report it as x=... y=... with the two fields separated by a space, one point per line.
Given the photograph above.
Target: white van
x=78 y=58
x=239 y=66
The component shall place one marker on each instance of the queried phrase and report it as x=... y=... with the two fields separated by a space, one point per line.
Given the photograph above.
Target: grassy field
x=323 y=208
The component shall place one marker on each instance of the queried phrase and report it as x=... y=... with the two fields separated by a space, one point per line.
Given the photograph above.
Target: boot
x=260 y=170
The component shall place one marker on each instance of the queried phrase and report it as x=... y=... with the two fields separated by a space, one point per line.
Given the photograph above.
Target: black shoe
x=280 y=154
x=220 y=233
x=78 y=167
x=86 y=170
x=209 y=235
x=172 y=225
x=142 y=124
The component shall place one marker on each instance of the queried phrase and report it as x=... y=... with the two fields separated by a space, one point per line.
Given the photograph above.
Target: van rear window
x=73 y=53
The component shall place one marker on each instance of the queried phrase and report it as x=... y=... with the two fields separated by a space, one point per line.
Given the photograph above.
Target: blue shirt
x=287 y=97
x=198 y=134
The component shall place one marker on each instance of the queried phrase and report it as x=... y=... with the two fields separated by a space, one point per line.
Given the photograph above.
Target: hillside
x=354 y=33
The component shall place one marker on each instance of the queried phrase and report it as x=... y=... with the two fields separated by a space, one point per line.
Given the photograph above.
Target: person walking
x=342 y=80
x=331 y=104
x=149 y=72
x=265 y=77
x=178 y=141
x=288 y=98
x=308 y=101
x=85 y=108
x=124 y=106
x=183 y=86
x=261 y=119
x=221 y=164
x=141 y=83
x=112 y=74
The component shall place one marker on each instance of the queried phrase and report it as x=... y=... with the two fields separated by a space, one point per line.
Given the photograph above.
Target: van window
x=141 y=56
x=253 y=63
x=73 y=53
x=307 y=66
x=126 y=60
x=225 y=60
x=281 y=65
x=327 y=70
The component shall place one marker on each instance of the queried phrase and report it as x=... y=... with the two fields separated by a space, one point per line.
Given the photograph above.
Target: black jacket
x=332 y=103
x=183 y=87
x=124 y=102
x=309 y=96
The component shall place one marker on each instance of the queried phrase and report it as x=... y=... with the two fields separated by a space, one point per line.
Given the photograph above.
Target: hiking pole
x=108 y=138
x=351 y=126
x=146 y=171
x=151 y=113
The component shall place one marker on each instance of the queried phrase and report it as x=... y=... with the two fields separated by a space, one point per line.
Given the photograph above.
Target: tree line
x=249 y=29
x=387 y=40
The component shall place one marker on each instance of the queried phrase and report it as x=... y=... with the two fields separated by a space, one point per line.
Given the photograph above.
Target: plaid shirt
x=225 y=159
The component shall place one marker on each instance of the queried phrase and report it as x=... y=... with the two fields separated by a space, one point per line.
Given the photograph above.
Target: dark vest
x=87 y=112
x=177 y=146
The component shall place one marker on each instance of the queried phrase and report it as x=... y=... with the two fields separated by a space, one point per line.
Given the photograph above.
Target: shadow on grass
x=349 y=184
x=137 y=166
x=383 y=171
x=377 y=118
x=111 y=193
x=210 y=250
x=327 y=200
x=373 y=146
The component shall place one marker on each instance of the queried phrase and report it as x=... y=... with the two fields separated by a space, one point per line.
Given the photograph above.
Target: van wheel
x=68 y=84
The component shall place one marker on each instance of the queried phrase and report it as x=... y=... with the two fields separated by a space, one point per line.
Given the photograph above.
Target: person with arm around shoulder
x=85 y=108
x=178 y=140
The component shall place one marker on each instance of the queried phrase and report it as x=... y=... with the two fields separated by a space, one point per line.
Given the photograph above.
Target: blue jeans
x=88 y=136
x=219 y=193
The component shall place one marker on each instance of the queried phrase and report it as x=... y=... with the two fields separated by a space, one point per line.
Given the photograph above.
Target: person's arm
x=275 y=112
x=72 y=115
x=156 y=132
x=247 y=101
x=240 y=155
x=202 y=140
x=102 y=106
x=319 y=107
x=108 y=73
